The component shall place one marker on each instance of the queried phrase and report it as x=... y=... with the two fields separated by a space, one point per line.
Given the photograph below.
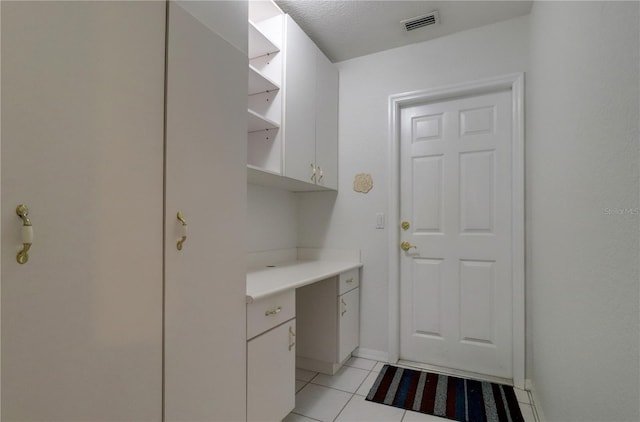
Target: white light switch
x=380 y=220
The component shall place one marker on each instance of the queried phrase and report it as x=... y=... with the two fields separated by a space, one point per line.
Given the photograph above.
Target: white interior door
x=456 y=195
x=82 y=130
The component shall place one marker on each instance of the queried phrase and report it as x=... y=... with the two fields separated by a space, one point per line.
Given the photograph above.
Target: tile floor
x=341 y=397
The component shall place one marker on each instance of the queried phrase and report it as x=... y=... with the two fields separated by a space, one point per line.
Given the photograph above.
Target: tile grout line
x=307 y=382
x=352 y=394
x=304 y=416
x=533 y=407
x=345 y=405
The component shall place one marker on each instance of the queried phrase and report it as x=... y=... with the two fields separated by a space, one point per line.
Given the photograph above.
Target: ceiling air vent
x=421 y=21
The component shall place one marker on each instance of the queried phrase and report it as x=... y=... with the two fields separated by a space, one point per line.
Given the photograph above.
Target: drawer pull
x=183 y=231
x=273 y=311
x=350 y=280
x=292 y=336
x=344 y=307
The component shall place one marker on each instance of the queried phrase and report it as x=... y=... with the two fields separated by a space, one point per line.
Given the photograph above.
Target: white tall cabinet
x=108 y=320
x=82 y=130
x=205 y=175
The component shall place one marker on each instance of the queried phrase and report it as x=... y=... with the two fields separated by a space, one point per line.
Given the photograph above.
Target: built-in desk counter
x=303 y=313
x=273 y=280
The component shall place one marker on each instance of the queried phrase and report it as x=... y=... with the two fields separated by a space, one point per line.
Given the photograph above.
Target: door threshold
x=454 y=372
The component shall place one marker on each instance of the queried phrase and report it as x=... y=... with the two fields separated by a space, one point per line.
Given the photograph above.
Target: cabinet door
x=326 y=122
x=349 y=327
x=300 y=90
x=82 y=129
x=205 y=282
x=271 y=361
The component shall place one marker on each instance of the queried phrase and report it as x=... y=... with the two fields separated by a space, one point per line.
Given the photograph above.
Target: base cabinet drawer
x=271 y=360
x=269 y=312
x=348 y=280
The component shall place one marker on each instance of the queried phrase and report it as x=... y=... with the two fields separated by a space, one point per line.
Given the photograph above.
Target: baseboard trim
x=537 y=405
x=371 y=354
x=315 y=365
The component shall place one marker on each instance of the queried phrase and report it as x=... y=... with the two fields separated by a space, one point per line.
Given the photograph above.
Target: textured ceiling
x=348 y=29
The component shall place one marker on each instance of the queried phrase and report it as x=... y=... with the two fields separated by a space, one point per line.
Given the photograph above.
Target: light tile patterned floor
x=341 y=397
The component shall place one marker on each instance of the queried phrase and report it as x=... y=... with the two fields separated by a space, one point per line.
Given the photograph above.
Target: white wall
x=347 y=219
x=272 y=219
x=582 y=159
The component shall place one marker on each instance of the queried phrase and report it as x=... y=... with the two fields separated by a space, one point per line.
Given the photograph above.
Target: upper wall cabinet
x=300 y=104
x=293 y=105
x=326 y=122
x=311 y=111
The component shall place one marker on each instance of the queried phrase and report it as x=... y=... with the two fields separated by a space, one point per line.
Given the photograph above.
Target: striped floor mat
x=448 y=397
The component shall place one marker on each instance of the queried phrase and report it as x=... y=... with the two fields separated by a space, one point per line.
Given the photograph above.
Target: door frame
x=515 y=84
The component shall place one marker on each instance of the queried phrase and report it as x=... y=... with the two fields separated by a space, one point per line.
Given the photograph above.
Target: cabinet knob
x=313 y=173
x=344 y=307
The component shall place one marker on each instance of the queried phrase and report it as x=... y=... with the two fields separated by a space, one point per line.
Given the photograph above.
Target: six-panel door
x=456 y=286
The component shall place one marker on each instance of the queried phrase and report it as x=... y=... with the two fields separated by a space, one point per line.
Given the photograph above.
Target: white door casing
x=458 y=171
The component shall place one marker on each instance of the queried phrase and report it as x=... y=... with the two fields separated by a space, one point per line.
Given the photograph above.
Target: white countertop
x=268 y=281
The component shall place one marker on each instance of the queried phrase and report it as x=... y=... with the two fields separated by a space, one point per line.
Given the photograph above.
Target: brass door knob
x=405 y=246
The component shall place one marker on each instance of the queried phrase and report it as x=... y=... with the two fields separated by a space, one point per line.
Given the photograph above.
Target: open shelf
x=258 y=122
x=265 y=93
x=259 y=43
x=259 y=83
